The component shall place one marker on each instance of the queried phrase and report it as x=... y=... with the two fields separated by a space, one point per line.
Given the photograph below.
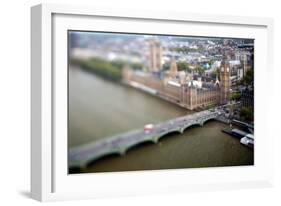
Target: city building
x=182 y=88
x=247 y=98
x=246 y=59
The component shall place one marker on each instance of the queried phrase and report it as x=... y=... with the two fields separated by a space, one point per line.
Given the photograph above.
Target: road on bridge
x=80 y=156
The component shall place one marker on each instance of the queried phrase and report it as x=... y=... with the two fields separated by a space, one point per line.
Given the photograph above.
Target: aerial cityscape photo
x=149 y=102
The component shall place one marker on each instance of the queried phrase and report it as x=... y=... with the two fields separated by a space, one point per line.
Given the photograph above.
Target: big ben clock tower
x=225 y=82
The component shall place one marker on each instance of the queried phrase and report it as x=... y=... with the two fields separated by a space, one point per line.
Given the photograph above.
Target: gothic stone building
x=189 y=93
x=180 y=89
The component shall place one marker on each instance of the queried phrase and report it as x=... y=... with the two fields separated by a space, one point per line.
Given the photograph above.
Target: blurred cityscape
x=193 y=72
x=187 y=80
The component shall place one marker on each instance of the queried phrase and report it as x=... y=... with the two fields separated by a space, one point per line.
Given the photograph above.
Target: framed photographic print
x=136 y=102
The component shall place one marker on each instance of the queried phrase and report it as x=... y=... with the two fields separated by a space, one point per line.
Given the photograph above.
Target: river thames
x=100 y=108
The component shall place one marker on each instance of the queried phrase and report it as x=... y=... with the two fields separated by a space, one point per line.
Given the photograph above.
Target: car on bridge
x=148 y=128
x=212 y=109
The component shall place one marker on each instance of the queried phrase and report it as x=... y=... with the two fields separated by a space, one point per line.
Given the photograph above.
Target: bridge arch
x=163 y=135
x=92 y=161
x=136 y=144
x=190 y=125
x=207 y=120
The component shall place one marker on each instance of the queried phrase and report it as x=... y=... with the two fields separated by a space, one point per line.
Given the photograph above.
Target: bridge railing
x=120 y=143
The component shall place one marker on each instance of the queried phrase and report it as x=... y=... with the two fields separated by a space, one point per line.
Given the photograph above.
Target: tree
x=165 y=66
x=215 y=73
x=136 y=66
x=235 y=96
x=183 y=66
x=199 y=70
x=118 y=63
x=101 y=67
x=247 y=113
x=249 y=77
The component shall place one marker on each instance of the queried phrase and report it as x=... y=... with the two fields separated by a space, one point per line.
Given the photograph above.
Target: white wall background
x=15 y=101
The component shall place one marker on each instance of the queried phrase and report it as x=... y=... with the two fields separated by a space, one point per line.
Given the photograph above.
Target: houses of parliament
x=179 y=87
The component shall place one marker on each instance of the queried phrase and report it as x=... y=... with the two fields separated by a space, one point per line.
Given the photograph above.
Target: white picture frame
x=49 y=178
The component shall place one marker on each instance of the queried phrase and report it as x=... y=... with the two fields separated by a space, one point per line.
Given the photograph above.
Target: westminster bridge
x=81 y=156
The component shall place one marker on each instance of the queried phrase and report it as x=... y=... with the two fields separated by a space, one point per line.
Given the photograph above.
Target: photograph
x=139 y=101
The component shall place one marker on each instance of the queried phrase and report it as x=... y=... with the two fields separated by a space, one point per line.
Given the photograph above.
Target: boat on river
x=248 y=140
x=235 y=132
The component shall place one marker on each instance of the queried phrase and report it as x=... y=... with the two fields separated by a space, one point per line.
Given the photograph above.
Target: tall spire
x=173 y=68
x=225 y=59
x=225 y=80
x=155 y=55
x=217 y=82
